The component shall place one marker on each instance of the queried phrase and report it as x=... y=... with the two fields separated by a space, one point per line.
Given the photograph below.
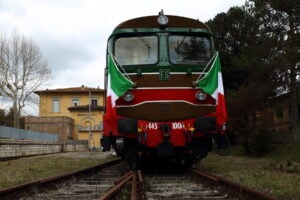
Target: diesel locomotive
x=164 y=90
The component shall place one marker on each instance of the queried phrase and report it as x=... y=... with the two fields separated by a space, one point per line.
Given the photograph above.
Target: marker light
x=128 y=96
x=200 y=95
x=224 y=127
x=192 y=129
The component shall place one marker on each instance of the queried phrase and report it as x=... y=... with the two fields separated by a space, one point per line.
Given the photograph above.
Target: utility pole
x=90 y=124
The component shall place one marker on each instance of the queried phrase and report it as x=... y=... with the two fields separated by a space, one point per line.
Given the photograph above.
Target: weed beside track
x=23 y=170
x=277 y=173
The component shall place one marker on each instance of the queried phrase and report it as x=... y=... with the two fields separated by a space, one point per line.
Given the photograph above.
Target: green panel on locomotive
x=184 y=28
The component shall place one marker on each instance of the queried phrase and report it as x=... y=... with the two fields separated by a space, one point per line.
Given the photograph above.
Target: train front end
x=159 y=78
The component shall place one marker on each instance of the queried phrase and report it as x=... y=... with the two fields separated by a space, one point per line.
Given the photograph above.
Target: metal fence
x=21 y=134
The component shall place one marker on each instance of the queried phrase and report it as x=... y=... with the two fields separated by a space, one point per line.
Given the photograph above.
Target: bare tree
x=22 y=71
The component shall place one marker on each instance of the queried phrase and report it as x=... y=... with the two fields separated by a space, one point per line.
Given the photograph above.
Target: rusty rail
x=233 y=187
x=140 y=176
x=116 y=189
x=134 y=195
x=119 y=184
x=123 y=177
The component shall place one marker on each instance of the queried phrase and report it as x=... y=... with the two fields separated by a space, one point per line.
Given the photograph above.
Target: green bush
x=259 y=142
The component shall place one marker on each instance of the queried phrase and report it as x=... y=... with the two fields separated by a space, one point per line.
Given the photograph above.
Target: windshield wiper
x=146 y=43
x=183 y=39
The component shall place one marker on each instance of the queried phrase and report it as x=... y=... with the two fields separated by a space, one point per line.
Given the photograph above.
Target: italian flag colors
x=212 y=84
x=118 y=84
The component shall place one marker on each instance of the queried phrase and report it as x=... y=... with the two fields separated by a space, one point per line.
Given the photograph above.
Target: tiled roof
x=81 y=89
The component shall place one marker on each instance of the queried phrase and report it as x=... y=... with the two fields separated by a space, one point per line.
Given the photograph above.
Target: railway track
x=86 y=187
x=114 y=181
x=89 y=183
x=196 y=184
x=180 y=186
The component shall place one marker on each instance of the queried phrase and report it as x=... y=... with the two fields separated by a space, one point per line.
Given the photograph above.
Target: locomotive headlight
x=162 y=19
x=128 y=96
x=200 y=95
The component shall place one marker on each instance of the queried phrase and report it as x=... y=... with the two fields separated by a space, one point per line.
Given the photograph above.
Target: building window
x=94 y=102
x=279 y=113
x=75 y=101
x=298 y=109
x=56 y=105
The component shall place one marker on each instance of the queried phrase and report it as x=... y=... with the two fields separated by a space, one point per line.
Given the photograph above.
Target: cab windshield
x=192 y=50
x=139 y=50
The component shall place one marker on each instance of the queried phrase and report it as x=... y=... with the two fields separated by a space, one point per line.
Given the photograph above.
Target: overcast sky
x=72 y=34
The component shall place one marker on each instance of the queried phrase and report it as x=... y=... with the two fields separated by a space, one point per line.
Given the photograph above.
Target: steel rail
x=233 y=187
x=123 y=177
x=136 y=179
x=140 y=177
x=134 y=187
x=119 y=184
x=117 y=188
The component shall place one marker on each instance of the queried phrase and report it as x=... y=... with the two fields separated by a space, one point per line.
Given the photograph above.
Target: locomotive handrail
x=208 y=64
x=119 y=65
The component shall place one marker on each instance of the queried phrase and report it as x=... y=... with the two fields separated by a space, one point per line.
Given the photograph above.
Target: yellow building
x=84 y=105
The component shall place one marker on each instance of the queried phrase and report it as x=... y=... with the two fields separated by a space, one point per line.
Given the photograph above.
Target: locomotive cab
x=162 y=111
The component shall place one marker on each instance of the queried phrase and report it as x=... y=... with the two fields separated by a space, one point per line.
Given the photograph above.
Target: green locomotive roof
x=151 y=22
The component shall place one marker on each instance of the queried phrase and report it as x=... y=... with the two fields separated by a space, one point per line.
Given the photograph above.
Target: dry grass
x=275 y=173
x=19 y=171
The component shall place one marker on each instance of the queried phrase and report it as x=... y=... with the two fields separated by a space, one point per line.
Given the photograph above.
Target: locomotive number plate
x=174 y=126
x=164 y=74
